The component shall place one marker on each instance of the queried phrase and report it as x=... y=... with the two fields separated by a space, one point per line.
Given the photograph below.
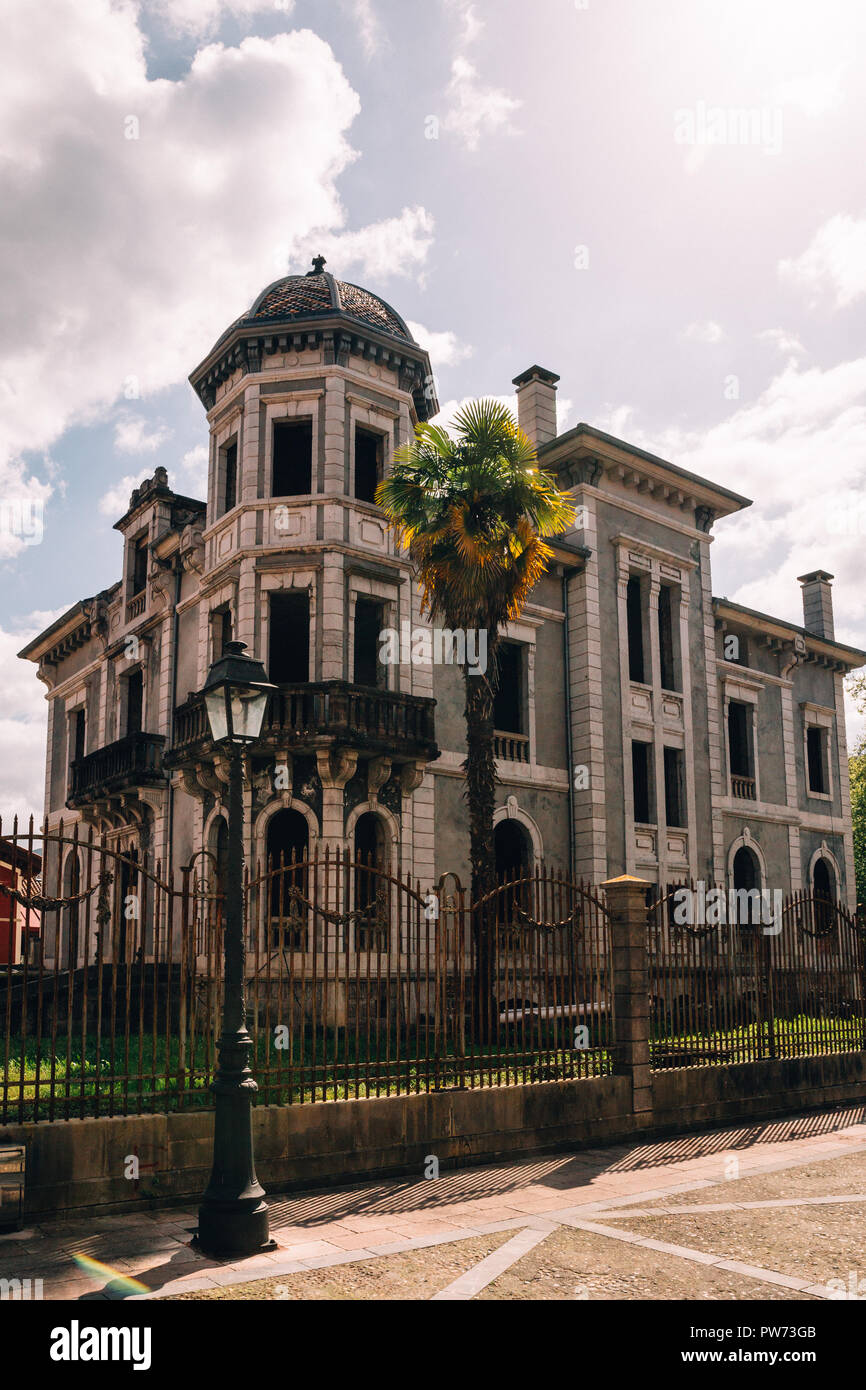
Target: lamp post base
x=226 y=1231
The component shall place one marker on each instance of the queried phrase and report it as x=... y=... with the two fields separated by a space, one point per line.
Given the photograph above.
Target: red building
x=18 y=869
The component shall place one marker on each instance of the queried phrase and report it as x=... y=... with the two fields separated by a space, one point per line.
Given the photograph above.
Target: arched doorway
x=371 y=892
x=128 y=908
x=287 y=847
x=747 y=881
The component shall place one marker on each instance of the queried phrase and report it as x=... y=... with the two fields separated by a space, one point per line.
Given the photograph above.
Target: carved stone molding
x=411 y=777
x=378 y=772
x=336 y=766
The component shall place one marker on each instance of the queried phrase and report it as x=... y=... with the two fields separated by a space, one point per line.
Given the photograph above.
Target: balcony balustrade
x=134 y=761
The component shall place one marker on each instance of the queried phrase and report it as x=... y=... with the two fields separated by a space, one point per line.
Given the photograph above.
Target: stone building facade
x=643 y=725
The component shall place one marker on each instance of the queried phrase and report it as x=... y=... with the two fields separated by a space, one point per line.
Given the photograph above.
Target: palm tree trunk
x=480 y=770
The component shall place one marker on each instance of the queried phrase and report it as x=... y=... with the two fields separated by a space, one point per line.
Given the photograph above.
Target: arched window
x=747 y=886
x=128 y=938
x=824 y=893
x=221 y=853
x=513 y=849
x=287 y=847
x=71 y=887
x=371 y=890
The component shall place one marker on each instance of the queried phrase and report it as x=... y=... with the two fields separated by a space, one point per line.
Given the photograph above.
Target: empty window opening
x=134 y=702
x=230 y=476
x=289 y=638
x=372 y=891
x=634 y=613
x=139 y=567
x=369 y=621
x=508 y=705
x=816 y=751
x=641 y=762
x=287 y=851
x=368 y=464
x=667 y=639
x=293 y=459
x=222 y=631
x=675 y=810
x=739 y=741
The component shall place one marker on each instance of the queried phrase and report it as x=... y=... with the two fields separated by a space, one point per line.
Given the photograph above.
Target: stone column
x=626 y=899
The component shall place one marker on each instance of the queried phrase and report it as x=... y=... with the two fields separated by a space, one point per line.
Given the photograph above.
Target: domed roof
x=319 y=295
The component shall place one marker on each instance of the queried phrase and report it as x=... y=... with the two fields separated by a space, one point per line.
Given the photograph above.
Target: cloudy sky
x=661 y=200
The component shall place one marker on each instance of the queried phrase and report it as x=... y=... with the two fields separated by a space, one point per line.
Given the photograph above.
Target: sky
x=661 y=200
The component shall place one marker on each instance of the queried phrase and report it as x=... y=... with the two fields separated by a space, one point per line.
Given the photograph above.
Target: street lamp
x=233 y=1216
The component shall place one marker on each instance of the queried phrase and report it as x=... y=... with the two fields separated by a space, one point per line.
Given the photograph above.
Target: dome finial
x=319 y=264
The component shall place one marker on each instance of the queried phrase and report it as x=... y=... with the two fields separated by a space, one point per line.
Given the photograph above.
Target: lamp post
x=233 y=1216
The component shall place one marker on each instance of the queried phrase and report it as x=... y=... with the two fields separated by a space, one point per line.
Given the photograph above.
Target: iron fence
x=740 y=977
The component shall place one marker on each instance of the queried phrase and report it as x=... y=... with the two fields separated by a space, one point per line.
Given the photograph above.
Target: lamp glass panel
x=248 y=712
x=215 y=703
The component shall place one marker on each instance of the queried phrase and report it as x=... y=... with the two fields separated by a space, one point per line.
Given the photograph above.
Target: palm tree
x=473 y=509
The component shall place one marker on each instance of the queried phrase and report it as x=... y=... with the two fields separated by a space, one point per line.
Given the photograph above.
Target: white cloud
x=445 y=348
x=448 y=410
x=787 y=343
x=191 y=477
x=834 y=263
x=471 y=27
x=394 y=246
x=814 y=93
x=475 y=109
x=23 y=719
x=708 y=332
x=132 y=436
x=115 y=501
x=370 y=31
x=140 y=251
x=203 y=17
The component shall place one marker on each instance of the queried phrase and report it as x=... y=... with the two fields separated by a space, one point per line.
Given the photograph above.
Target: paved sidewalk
x=582 y=1191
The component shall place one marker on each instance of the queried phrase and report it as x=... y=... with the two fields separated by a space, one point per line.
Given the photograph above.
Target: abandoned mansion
x=643 y=725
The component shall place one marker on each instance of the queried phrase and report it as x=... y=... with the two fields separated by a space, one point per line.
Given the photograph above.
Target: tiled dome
x=317 y=294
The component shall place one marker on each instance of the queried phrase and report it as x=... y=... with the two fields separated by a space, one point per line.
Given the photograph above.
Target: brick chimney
x=817 y=603
x=536 y=404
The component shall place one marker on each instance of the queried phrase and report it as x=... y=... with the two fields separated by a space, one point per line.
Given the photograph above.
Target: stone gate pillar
x=626 y=899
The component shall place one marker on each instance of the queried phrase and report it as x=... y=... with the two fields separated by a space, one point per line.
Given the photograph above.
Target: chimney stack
x=536 y=404
x=817 y=603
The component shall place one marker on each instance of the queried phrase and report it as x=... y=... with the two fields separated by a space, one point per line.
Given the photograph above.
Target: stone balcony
x=315 y=716
x=127 y=771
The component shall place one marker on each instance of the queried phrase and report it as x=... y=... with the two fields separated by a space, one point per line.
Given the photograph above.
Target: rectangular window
x=292 y=474
x=134 y=702
x=289 y=638
x=816 y=756
x=739 y=740
x=230 y=477
x=675 y=807
x=139 y=567
x=77 y=733
x=667 y=639
x=222 y=631
x=641 y=762
x=634 y=613
x=508 y=702
x=368 y=464
x=369 y=621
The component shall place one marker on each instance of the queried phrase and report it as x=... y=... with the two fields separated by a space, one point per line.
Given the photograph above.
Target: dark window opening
x=675 y=811
x=230 y=477
x=508 y=701
x=139 y=566
x=222 y=631
x=368 y=669
x=634 y=613
x=822 y=879
x=641 y=755
x=134 y=702
x=124 y=946
x=667 y=658
x=368 y=464
x=287 y=849
x=747 y=880
x=289 y=638
x=739 y=749
x=77 y=733
x=815 y=746
x=293 y=459
x=371 y=894
x=513 y=850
